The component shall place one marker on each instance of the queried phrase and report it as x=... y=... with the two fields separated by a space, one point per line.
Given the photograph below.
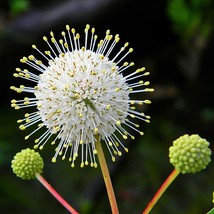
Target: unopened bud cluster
x=190 y=153
x=27 y=163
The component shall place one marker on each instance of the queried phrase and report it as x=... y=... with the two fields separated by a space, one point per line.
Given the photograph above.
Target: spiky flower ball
x=82 y=90
x=27 y=163
x=190 y=153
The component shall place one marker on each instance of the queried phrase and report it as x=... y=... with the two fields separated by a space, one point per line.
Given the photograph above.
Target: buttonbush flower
x=83 y=89
x=27 y=164
x=190 y=153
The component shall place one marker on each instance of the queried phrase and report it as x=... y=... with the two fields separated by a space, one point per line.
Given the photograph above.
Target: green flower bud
x=190 y=153
x=27 y=163
x=213 y=197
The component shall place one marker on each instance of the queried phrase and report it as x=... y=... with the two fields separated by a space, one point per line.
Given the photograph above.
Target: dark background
x=174 y=40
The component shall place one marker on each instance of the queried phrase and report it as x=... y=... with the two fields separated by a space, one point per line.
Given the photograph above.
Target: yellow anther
x=67 y=27
x=132 y=115
x=95 y=151
x=53 y=160
x=148 y=121
x=108 y=106
x=72 y=165
x=132 y=137
x=45 y=38
x=36 y=141
x=34 y=46
x=63 y=33
x=23 y=60
x=61 y=41
x=101 y=57
x=93 y=30
x=52 y=34
x=141 y=133
x=125 y=63
x=117 y=89
x=118 y=122
x=126 y=149
x=146 y=73
x=95 y=165
x=19 y=121
x=81 y=141
x=27 y=115
x=47 y=52
x=86 y=163
x=41 y=147
x=113 y=158
x=108 y=32
x=132 y=102
x=12 y=87
x=22 y=127
x=147 y=101
x=117 y=39
x=77 y=35
x=13 y=101
x=53 y=40
x=13 y=105
x=96 y=130
x=63 y=157
x=73 y=30
x=27 y=137
x=119 y=153
x=125 y=137
x=27 y=76
x=36 y=147
x=21 y=74
x=15 y=75
x=18 y=69
x=82 y=165
x=110 y=143
x=53 y=142
x=131 y=64
x=130 y=50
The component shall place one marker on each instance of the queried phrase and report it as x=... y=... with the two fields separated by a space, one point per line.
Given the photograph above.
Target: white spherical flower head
x=81 y=94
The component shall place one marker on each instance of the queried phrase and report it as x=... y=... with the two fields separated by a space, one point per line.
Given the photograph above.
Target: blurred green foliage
x=189 y=17
x=19 y=6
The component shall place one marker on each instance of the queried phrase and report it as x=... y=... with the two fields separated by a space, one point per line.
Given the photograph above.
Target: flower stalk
x=106 y=177
x=161 y=190
x=55 y=194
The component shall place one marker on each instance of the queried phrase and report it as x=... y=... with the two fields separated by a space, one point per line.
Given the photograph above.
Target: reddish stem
x=56 y=194
x=161 y=190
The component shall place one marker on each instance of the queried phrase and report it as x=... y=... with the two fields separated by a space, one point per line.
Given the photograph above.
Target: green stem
x=55 y=194
x=106 y=177
x=161 y=190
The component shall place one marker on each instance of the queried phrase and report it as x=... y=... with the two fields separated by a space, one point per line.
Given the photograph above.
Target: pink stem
x=161 y=190
x=56 y=194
